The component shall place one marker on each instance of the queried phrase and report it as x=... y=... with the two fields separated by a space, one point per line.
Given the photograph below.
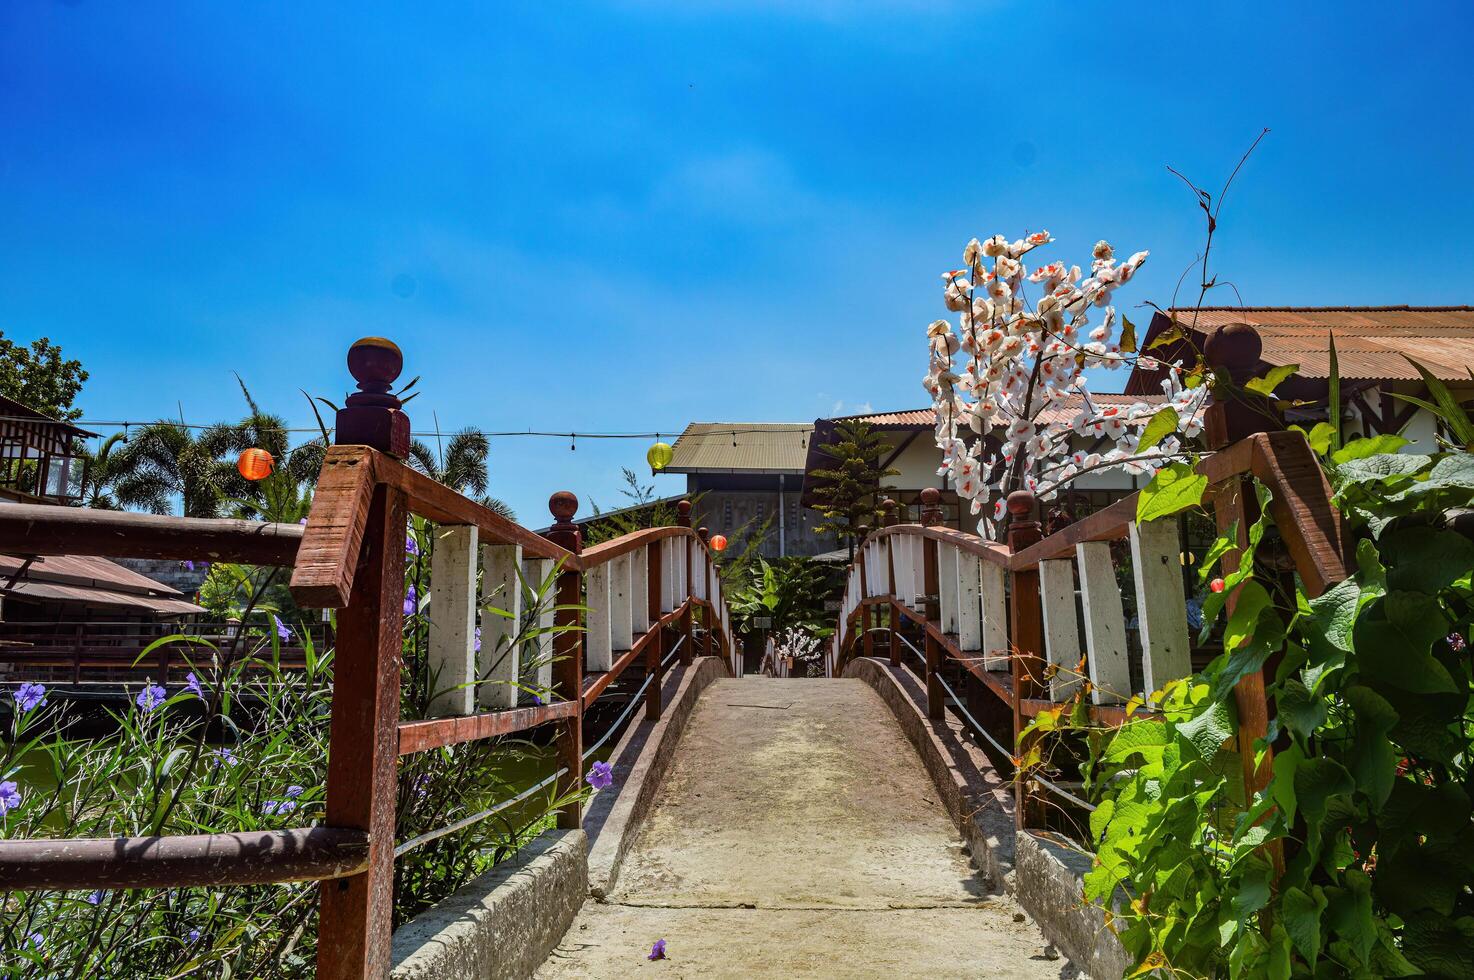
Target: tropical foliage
x=241 y=745
x=849 y=487
x=787 y=594
x=39 y=377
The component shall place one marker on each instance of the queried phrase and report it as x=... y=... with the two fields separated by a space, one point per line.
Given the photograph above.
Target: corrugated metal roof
x=86 y=571
x=106 y=598
x=1370 y=340
x=755 y=447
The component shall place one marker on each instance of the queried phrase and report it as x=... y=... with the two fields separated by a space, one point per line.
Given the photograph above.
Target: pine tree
x=849 y=491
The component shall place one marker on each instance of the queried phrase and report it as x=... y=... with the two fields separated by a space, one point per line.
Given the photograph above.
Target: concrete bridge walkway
x=797 y=834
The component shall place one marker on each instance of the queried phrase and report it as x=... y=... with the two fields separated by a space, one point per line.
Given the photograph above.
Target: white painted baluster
x=621 y=591
x=947 y=586
x=1105 y=623
x=918 y=570
x=500 y=661
x=598 y=636
x=668 y=575
x=995 y=616
x=969 y=618
x=640 y=591
x=536 y=571
x=1061 y=625
x=452 y=649
x=1161 y=602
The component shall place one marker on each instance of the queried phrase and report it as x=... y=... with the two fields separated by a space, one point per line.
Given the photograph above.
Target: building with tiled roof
x=1373 y=344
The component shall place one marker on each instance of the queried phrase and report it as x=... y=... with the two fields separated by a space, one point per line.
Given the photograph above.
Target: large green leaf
x=1272 y=379
x=1362 y=448
x=1425 y=559
x=1452 y=473
x=1392 y=468
x=1175 y=488
x=1333 y=613
x=1441 y=946
x=1349 y=913
x=1302 y=915
x=1209 y=730
x=1162 y=424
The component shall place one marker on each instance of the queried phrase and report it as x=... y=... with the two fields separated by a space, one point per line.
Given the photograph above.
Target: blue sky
x=631 y=215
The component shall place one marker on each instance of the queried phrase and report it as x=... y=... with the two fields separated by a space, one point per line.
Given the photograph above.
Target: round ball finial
x=684 y=508
x=1020 y=504
x=1233 y=345
x=887 y=505
x=703 y=533
x=563 y=506
x=375 y=362
x=931 y=496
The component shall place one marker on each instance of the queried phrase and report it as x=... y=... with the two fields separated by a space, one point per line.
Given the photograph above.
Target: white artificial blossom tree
x=1023 y=356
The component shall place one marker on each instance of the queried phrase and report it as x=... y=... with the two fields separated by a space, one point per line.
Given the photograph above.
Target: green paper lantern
x=659 y=456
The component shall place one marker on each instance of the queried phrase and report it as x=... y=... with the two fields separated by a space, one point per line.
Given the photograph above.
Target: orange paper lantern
x=255 y=464
x=718 y=542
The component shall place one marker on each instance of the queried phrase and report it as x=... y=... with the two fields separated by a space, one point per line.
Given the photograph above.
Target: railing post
x=356 y=912
x=1026 y=618
x=1234 y=349
x=655 y=648
x=683 y=518
x=931 y=516
x=568 y=655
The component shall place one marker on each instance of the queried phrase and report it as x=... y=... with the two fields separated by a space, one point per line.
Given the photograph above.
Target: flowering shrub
x=1023 y=357
x=242 y=745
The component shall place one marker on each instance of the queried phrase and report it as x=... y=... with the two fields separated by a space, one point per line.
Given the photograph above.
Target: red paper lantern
x=718 y=542
x=255 y=464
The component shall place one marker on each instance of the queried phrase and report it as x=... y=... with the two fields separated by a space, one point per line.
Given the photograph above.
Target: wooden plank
x=354 y=916
x=568 y=670
x=994 y=616
x=328 y=555
x=45 y=529
x=599 y=641
x=256 y=857
x=422 y=736
x=947 y=576
x=538 y=653
x=1161 y=603
x=1105 y=623
x=500 y=662
x=1061 y=626
x=621 y=600
x=443 y=505
x=451 y=654
x=969 y=608
x=935 y=699
x=640 y=590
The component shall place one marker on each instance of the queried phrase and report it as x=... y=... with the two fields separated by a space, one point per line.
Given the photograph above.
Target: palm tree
x=100 y=470
x=165 y=461
x=462 y=467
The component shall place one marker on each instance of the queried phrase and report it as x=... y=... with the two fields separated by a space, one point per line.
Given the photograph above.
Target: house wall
x=729 y=501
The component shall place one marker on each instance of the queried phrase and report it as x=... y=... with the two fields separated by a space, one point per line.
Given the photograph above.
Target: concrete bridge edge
x=1044 y=877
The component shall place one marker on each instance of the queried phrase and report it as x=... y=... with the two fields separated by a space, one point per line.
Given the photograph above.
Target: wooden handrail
x=256 y=857
x=606 y=551
x=47 y=529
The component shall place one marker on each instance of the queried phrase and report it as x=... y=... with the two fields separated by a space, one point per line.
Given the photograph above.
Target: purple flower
x=411 y=546
x=422 y=785
x=278 y=807
x=536 y=699
x=601 y=775
x=30 y=696
x=9 y=797
x=193 y=683
x=303 y=522
x=478 y=639
x=96 y=897
x=151 y=697
x=294 y=791
x=194 y=935
x=281 y=628
x=189 y=565
x=411 y=601
x=657 y=952
x=224 y=757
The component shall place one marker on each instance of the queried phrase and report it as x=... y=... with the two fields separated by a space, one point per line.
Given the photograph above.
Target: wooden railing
x=652 y=596
x=1021 y=617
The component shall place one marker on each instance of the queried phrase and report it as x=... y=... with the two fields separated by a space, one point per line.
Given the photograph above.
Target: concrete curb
x=503 y=924
x=640 y=762
x=1043 y=877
